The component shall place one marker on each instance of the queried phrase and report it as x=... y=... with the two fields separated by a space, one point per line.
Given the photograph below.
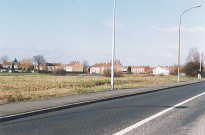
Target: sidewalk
x=28 y=108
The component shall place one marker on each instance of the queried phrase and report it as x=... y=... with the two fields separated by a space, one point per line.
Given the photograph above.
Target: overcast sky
x=66 y=30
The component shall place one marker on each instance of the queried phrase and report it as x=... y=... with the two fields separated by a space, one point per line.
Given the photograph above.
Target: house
x=148 y=69
x=124 y=69
x=100 y=67
x=3 y=69
x=161 y=70
x=137 y=69
x=141 y=69
x=8 y=65
x=51 y=66
x=74 y=66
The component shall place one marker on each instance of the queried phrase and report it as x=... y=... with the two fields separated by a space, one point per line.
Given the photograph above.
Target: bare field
x=14 y=88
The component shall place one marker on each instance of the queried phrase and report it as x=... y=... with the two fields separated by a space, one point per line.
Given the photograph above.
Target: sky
x=78 y=30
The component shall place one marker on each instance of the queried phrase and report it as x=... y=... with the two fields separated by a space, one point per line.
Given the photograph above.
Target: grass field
x=22 y=87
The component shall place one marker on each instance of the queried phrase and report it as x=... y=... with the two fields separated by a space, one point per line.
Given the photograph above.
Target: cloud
x=197 y=29
x=109 y=24
x=167 y=30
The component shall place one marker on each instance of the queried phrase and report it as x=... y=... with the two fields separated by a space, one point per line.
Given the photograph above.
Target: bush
x=191 y=69
x=174 y=71
x=44 y=72
x=107 y=73
x=118 y=74
x=59 y=72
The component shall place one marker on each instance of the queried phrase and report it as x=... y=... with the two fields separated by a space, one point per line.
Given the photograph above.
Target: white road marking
x=140 y=123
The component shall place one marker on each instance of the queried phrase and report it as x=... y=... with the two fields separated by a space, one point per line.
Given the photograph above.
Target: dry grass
x=30 y=87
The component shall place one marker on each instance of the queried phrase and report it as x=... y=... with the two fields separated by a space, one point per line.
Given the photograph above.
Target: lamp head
x=198 y=6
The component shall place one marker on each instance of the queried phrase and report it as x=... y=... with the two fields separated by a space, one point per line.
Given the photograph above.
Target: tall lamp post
x=200 y=67
x=179 y=36
x=113 y=48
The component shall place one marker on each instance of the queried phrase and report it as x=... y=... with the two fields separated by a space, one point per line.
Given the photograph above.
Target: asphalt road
x=112 y=116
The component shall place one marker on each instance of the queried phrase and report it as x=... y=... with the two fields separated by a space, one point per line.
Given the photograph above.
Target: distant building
x=3 y=69
x=137 y=69
x=100 y=67
x=8 y=65
x=161 y=70
x=148 y=69
x=124 y=69
x=51 y=66
x=74 y=66
x=141 y=69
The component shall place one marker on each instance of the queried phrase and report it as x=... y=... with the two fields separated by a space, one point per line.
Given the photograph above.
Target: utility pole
x=200 y=66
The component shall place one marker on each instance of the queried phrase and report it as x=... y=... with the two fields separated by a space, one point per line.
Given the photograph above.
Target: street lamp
x=200 y=67
x=113 y=49
x=179 y=35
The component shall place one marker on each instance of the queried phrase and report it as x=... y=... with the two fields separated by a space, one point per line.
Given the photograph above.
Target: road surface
x=110 y=117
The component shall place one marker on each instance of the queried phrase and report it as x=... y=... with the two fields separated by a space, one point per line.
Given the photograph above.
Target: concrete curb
x=7 y=116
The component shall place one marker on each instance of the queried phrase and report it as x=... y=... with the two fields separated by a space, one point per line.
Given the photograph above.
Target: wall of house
x=69 y=69
x=77 y=67
x=95 y=70
x=138 y=70
x=160 y=70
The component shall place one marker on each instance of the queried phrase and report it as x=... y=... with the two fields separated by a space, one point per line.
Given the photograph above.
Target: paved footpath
x=28 y=108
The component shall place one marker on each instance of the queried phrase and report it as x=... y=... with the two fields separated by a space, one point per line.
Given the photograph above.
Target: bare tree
x=38 y=59
x=194 y=55
x=85 y=65
x=192 y=65
x=4 y=58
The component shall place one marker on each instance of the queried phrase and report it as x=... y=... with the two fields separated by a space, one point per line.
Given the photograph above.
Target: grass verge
x=17 y=87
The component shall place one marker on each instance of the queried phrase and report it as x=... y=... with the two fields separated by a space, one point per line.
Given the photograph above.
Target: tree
x=4 y=58
x=194 y=55
x=85 y=65
x=25 y=64
x=12 y=66
x=15 y=60
x=38 y=59
x=129 y=70
x=192 y=64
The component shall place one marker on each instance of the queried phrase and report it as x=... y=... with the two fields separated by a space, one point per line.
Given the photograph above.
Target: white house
x=97 y=68
x=138 y=69
x=124 y=69
x=74 y=66
x=161 y=70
